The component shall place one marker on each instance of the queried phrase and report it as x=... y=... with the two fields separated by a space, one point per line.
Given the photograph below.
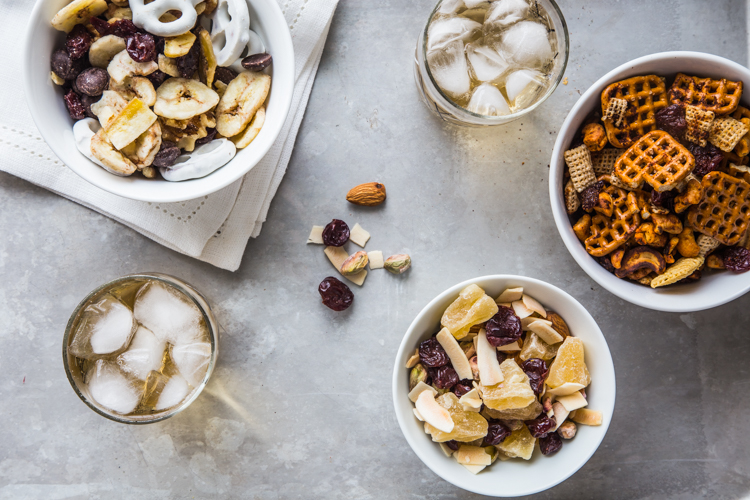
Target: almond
x=368 y=195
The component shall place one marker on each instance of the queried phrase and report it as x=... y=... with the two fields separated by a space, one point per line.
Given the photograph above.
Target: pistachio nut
x=398 y=263
x=354 y=264
x=418 y=374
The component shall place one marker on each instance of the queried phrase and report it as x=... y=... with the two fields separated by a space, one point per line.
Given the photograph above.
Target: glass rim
x=503 y=118
x=177 y=283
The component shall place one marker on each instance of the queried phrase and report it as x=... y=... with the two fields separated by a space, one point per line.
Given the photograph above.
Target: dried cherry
x=590 y=196
x=225 y=75
x=122 y=27
x=541 y=426
x=336 y=295
x=74 y=105
x=157 y=78
x=444 y=377
x=432 y=354
x=209 y=137
x=336 y=233
x=78 y=42
x=141 y=47
x=496 y=433
x=672 y=121
x=187 y=65
x=504 y=328
x=536 y=369
x=736 y=259
x=550 y=444
x=462 y=387
x=707 y=159
x=663 y=199
x=452 y=444
x=167 y=154
x=501 y=356
x=605 y=263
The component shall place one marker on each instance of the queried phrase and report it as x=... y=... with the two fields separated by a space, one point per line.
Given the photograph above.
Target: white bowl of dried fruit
x=650 y=185
x=163 y=101
x=504 y=385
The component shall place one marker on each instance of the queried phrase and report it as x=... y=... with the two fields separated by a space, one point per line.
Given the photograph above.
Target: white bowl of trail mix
x=504 y=385
x=162 y=101
x=650 y=185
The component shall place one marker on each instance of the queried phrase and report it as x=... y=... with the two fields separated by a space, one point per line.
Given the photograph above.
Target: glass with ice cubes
x=481 y=62
x=141 y=348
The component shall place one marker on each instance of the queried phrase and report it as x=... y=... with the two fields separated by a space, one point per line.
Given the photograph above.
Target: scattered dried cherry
x=501 y=356
x=157 y=78
x=590 y=196
x=663 y=199
x=122 y=27
x=225 y=75
x=167 y=154
x=736 y=259
x=444 y=377
x=539 y=427
x=336 y=233
x=64 y=65
x=605 y=263
x=209 y=137
x=462 y=387
x=74 y=105
x=187 y=65
x=452 y=444
x=141 y=47
x=78 y=42
x=336 y=295
x=257 y=62
x=92 y=81
x=432 y=354
x=536 y=369
x=504 y=328
x=672 y=121
x=550 y=444
x=496 y=433
x=707 y=159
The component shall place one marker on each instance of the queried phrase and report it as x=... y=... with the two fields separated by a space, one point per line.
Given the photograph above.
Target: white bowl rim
x=399 y=392
x=584 y=260
x=198 y=189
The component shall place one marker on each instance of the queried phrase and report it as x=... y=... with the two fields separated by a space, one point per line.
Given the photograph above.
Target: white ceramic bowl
x=715 y=288
x=52 y=119
x=513 y=477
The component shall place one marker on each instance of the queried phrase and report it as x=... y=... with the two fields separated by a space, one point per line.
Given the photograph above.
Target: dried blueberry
x=157 y=78
x=74 y=105
x=336 y=295
x=496 y=433
x=539 y=427
x=432 y=354
x=504 y=328
x=187 y=65
x=225 y=75
x=92 y=81
x=444 y=377
x=736 y=259
x=590 y=196
x=537 y=371
x=257 y=62
x=64 y=66
x=208 y=138
x=707 y=159
x=462 y=387
x=166 y=155
x=550 y=444
x=336 y=233
x=78 y=42
x=141 y=47
x=672 y=121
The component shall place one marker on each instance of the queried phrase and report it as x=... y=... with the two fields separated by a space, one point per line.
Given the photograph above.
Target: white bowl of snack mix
x=163 y=101
x=677 y=240
x=504 y=385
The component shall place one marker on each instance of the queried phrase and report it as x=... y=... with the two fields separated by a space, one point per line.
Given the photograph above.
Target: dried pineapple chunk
x=468 y=426
x=520 y=444
x=471 y=307
x=513 y=392
x=569 y=365
x=535 y=347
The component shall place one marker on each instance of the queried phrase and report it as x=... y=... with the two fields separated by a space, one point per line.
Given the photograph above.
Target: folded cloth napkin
x=215 y=228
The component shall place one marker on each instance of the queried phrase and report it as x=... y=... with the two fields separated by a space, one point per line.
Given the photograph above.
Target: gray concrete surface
x=300 y=405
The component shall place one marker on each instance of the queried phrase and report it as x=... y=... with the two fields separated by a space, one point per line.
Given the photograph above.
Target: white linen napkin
x=215 y=228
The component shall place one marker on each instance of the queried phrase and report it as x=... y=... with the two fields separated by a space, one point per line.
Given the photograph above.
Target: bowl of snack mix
x=504 y=385
x=650 y=185
x=159 y=101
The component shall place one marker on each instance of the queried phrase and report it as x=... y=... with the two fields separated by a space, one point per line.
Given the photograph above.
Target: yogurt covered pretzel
x=146 y=16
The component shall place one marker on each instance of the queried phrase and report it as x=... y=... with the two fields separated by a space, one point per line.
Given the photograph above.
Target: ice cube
x=145 y=353
x=168 y=314
x=523 y=87
x=451 y=6
x=444 y=31
x=111 y=388
x=503 y=13
x=192 y=361
x=487 y=100
x=486 y=62
x=449 y=68
x=173 y=392
x=477 y=14
x=527 y=44
x=105 y=327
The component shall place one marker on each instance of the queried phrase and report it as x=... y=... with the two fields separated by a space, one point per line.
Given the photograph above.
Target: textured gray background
x=300 y=405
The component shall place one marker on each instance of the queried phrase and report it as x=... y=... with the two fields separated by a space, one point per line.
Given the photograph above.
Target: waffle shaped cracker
x=580 y=167
x=604 y=161
x=726 y=132
x=707 y=244
x=615 y=111
x=656 y=158
x=645 y=96
x=572 y=202
x=698 y=124
x=677 y=271
x=720 y=96
x=607 y=235
x=724 y=210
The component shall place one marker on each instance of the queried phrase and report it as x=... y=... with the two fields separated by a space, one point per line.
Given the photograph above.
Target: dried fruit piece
x=550 y=444
x=336 y=233
x=432 y=354
x=736 y=259
x=504 y=327
x=77 y=12
x=527 y=413
x=513 y=392
x=457 y=356
x=672 y=120
x=74 y=105
x=488 y=361
x=569 y=365
x=132 y=121
x=225 y=75
x=243 y=97
x=78 y=42
x=335 y=294
x=541 y=426
x=471 y=307
x=496 y=433
x=520 y=444
x=473 y=455
x=707 y=159
x=444 y=377
x=434 y=414
x=468 y=425
x=178 y=46
x=462 y=388
x=590 y=195
x=536 y=369
x=573 y=401
x=587 y=417
x=369 y=194
x=141 y=47
x=535 y=347
x=207 y=63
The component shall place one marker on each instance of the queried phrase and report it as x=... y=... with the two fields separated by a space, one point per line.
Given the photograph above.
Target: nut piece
x=647 y=235
x=474 y=367
x=638 y=258
x=691 y=196
x=594 y=136
x=558 y=324
x=397 y=264
x=418 y=374
x=686 y=244
x=715 y=262
x=354 y=264
x=668 y=223
x=582 y=228
x=367 y=195
x=616 y=257
x=567 y=430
